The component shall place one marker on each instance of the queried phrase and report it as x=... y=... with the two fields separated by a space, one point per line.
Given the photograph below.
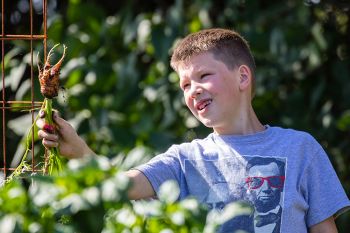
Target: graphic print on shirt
x=258 y=181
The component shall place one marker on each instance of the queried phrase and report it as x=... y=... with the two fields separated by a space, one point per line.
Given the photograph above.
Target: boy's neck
x=246 y=123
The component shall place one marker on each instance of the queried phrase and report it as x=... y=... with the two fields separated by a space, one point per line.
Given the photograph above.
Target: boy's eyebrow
x=198 y=70
x=183 y=79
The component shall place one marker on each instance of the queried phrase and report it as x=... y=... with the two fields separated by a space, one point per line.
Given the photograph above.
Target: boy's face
x=212 y=92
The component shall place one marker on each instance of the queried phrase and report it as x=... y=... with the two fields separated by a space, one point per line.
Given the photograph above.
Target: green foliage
x=122 y=96
x=91 y=196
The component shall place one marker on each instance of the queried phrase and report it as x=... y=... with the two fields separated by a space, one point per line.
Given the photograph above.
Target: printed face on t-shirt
x=265 y=183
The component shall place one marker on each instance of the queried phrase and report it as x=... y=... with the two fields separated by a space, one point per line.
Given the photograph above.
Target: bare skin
x=326 y=226
x=207 y=85
x=70 y=144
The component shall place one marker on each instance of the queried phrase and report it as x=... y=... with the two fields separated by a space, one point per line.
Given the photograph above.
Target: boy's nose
x=195 y=91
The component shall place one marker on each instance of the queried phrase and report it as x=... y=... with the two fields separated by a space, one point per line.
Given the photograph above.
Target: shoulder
x=297 y=143
x=293 y=135
x=196 y=146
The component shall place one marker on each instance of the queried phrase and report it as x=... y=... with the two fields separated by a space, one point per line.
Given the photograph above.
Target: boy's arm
x=72 y=146
x=140 y=188
x=326 y=226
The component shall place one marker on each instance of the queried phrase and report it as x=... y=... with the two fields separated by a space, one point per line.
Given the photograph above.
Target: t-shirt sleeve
x=323 y=190
x=163 y=167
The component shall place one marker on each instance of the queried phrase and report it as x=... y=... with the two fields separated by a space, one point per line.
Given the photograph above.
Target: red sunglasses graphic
x=255 y=182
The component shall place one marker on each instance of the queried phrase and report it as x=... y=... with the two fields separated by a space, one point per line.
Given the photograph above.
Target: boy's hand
x=63 y=135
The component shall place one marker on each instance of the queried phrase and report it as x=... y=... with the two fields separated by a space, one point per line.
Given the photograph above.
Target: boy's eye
x=204 y=75
x=185 y=86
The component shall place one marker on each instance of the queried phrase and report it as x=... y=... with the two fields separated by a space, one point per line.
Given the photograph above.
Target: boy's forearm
x=85 y=150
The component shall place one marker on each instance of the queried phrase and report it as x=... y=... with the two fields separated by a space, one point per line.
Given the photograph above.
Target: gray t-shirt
x=284 y=174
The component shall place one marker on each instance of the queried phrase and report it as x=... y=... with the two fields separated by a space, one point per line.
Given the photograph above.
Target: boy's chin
x=207 y=123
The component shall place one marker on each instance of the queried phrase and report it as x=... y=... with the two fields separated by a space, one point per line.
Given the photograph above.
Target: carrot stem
x=54 y=163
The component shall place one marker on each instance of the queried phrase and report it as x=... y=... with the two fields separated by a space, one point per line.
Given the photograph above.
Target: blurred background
x=121 y=95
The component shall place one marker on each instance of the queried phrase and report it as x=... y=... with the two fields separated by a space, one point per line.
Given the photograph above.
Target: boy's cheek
x=187 y=100
x=189 y=104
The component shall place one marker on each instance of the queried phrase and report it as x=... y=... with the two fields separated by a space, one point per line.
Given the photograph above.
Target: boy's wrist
x=84 y=150
x=87 y=151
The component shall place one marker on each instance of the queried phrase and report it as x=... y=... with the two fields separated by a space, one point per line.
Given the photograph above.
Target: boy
x=278 y=171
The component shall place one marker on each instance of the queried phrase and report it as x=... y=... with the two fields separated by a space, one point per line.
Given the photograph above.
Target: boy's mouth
x=203 y=104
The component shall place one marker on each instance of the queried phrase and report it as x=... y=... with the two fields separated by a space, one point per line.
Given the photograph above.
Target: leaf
x=169 y=192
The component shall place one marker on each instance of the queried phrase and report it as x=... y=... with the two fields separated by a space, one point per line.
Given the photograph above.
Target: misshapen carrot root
x=49 y=75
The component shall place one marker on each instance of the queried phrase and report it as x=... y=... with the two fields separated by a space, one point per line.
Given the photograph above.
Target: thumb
x=60 y=122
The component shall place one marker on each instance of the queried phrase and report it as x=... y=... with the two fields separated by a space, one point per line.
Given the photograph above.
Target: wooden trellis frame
x=8 y=105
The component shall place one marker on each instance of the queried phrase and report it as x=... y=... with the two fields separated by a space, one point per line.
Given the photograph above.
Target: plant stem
x=23 y=166
x=54 y=161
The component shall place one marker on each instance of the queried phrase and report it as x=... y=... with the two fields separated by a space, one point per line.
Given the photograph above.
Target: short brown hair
x=226 y=45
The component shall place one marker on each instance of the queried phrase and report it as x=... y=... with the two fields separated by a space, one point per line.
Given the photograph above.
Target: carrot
x=49 y=75
x=49 y=86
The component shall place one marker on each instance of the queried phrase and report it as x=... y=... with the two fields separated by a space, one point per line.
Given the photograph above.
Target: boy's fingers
x=49 y=144
x=42 y=134
x=55 y=113
x=40 y=123
x=42 y=113
x=60 y=122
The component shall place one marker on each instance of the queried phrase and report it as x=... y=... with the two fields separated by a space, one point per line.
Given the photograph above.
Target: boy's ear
x=245 y=77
